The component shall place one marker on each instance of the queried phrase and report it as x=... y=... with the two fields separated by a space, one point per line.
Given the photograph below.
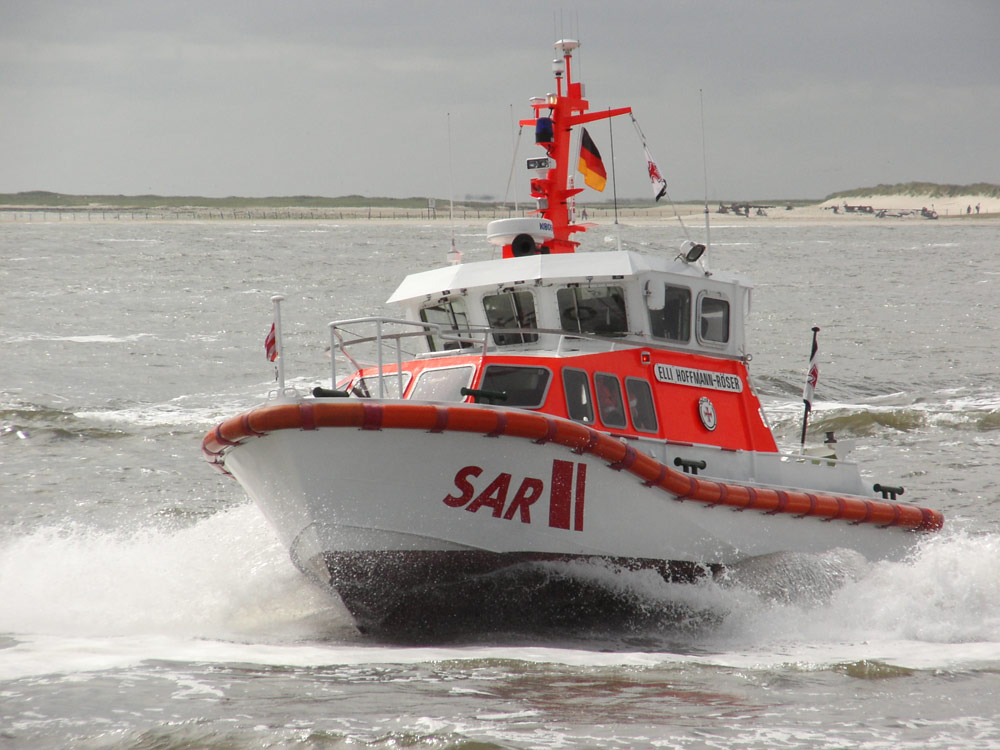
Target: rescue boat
x=530 y=419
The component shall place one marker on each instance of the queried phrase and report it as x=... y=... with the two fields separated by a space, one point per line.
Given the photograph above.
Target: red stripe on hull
x=562 y=489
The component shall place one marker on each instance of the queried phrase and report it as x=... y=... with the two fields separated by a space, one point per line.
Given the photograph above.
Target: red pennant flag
x=271 y=345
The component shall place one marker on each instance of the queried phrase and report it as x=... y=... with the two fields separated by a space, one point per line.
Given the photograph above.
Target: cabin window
x=511 y=310
x=524 y=386
x=673 y=322
x=579 y=402
x=442 y=384
x=592 y=309
x=451 y=315
x=367 y=387
x=640 y=404
x=609 y=399
x=713 y=319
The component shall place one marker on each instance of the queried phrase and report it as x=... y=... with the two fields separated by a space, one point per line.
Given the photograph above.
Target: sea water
x=145 y=603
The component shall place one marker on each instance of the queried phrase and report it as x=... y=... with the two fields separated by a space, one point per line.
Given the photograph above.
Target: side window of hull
x=367 y=387
x=579 y=401
x=640 y=405
x=609 y=400
x=442 y=384
x=522 y=386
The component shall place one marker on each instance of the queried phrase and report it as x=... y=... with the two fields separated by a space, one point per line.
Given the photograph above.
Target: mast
x=704 y=169
x=555 y=117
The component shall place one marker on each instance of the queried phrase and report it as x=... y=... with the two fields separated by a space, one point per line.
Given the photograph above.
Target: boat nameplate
x=717 y=381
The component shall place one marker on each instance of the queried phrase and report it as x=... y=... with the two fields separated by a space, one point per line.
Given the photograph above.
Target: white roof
x=560 y=267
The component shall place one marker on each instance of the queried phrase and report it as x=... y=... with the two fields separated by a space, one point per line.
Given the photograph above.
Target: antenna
x=513 y=142
x=704 y=167
x=614 y=182
x=454 y=256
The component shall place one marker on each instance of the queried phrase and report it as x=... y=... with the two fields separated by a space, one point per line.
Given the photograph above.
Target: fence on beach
x=194 y=213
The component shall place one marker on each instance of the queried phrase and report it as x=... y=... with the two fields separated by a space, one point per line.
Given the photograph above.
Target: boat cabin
x=633 y=345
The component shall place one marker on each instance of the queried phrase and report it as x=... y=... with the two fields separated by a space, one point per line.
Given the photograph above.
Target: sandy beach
x=871 y=208
x=875 y=208
x=951 y=206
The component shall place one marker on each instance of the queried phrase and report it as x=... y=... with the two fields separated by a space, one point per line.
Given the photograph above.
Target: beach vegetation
x=929 y=189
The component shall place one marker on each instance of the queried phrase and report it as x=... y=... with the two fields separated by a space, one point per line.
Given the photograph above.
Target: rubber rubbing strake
x=541 y=429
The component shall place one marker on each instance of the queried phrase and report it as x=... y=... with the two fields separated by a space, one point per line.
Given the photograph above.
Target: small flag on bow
x=271 y=345
x=811 y=379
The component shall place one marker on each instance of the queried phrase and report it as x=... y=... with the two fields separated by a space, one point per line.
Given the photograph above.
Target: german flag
x=591 y=165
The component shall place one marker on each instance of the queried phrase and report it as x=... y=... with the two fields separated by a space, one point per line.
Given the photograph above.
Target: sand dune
x=945 y=206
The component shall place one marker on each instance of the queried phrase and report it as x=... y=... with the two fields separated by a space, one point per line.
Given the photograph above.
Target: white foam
x=96 y=338
x=942 y=606
x=224 y=590
x=163 y=415
x=147 y=240
x=47 y=654
x=226 y=576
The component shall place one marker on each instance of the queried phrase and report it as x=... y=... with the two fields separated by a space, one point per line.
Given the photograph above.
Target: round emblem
x=707 y=413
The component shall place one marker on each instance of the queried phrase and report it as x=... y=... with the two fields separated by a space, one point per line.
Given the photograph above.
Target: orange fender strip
x=541 y=428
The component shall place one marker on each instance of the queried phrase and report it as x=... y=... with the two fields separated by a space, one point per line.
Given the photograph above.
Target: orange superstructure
x=553 y=123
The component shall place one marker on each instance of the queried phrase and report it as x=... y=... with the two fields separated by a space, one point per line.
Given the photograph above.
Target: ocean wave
x=869 y=421
x=157 y=415
x=223 y=589
x=944 y=593
x=898 y=411
x=38 y=422
x=790 y=385
x=131 y=240
x=68 y=421
x=988 y=421
x=97 y=338
x=846 y=419
x=224 y=576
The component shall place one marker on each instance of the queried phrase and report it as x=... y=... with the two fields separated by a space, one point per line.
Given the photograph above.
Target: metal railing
x=388 y=339
x=474 y=335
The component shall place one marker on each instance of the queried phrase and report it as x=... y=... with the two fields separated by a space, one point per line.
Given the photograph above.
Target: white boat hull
x=394 y=518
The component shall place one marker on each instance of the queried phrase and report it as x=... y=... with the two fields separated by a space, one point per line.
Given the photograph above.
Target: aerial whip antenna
x=614 y=183
x=515 y=145
x=454 y=256
x=704 y=168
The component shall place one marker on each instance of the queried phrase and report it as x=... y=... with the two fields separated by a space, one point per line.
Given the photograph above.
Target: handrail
x=476 y=335
x=381 y=337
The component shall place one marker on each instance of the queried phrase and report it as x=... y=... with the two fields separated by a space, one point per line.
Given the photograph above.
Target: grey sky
x=322 y=97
